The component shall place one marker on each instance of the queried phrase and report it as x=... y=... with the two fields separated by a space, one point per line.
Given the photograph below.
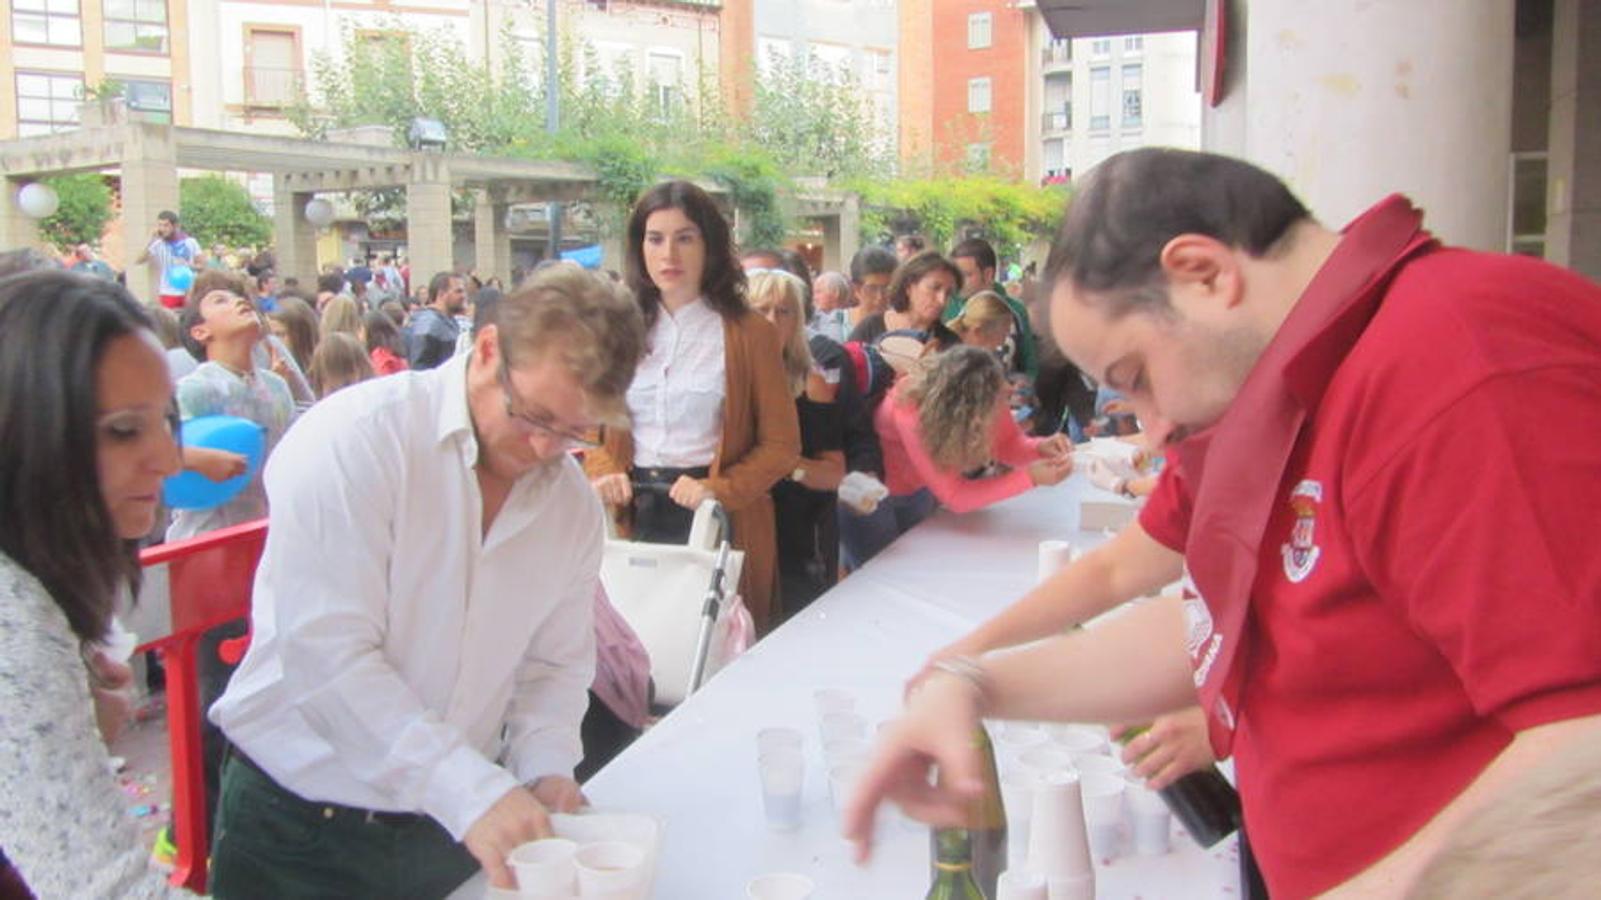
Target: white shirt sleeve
x=326 y=567
x=552 y=687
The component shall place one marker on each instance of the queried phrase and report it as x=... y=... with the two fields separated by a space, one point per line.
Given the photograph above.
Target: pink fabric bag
x=622 y=666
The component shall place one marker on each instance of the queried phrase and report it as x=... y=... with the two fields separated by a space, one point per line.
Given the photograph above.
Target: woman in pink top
x=942 y=422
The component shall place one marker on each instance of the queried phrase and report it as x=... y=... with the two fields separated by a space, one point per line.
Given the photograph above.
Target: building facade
x=854 y=39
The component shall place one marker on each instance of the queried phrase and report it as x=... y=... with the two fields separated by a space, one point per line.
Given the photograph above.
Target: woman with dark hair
x=948 y=419
x=87 y=434
x=917 y=296
x=713 y=417
x=385 y=346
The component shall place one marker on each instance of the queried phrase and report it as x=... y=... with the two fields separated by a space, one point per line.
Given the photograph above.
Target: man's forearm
x=1498 y=789
x=1129 y=669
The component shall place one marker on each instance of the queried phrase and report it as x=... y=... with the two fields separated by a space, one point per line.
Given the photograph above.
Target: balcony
x=271 y=87
x=1055 y=54
x=1057 y=120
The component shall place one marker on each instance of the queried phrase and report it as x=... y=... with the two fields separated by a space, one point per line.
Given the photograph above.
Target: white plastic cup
x=778 y=739
x=1020 y=884
x=1075 y=887
x=846 y=750
x=1046 y=760
x=1150 y=818
x=1058 y=846
x=1053 y=557
x=833 y=700
x=841 y=781
x=1013 y=739
x=1078 y=738
x=1103 y=813
x=782 y=773
x=1017 y=795
x=609 y=869
x=545 y=867
x=779 y=886
x=842 y=726
x=1098 y=764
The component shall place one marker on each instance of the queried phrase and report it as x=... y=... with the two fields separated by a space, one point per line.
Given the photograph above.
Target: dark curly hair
x=722 y=282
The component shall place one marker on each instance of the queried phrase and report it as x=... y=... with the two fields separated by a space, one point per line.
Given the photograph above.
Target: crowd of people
x=422 y=674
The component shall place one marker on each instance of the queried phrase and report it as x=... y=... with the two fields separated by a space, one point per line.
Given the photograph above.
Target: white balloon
x=319 y=212
x=37 y=201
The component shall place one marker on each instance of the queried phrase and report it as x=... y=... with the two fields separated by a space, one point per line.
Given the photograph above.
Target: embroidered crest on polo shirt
x=1301 y=552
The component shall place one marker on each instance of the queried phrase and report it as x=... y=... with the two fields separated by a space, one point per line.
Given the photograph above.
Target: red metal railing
x=211 y=578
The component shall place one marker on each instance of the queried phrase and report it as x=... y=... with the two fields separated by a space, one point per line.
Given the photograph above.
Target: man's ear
x=486 y=346
x=1198 y=265
x=201 y=332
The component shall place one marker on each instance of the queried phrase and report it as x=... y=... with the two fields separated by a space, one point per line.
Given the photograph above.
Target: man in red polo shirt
x=1394 y=478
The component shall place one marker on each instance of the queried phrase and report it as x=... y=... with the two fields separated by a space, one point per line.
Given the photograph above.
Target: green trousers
x=271 y=844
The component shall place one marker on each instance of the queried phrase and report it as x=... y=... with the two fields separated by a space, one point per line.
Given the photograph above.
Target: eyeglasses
x=530 y=425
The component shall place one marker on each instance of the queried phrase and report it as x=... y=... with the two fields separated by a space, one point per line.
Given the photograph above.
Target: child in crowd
x=340 y=361
x=385 y=347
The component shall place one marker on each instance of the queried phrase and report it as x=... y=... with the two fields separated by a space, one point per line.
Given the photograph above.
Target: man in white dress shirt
x=409 y=707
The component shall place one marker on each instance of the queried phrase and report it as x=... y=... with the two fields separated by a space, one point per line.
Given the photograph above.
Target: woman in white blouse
x=86 y=438
x=713 y=417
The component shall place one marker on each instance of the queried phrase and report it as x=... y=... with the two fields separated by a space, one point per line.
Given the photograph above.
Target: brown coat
x=760 y=446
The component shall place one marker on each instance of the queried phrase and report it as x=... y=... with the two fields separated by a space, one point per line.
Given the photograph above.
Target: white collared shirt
x=676 y=399
x=402 y=661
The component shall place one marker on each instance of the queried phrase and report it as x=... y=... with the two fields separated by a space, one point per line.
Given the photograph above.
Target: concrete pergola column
x=294 y=238
x=17 y=230
x=429 y=237
x=1573 y=217
x=149 y=185
x=842 y=235
x=491 y=240
x=1351 y=102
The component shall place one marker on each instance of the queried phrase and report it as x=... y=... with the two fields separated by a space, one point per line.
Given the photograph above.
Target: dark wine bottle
x=953 y=867
x=986 y=822
x=1203 y=801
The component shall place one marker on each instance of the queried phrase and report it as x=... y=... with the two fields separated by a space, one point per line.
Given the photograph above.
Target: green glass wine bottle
x=1203 y=800
x=986 y=821
x=953 y=867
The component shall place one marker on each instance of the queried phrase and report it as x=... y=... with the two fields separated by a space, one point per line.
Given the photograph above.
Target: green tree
x=84 y=211
x=815 y=120
x=215 y=210
x=1009 y=214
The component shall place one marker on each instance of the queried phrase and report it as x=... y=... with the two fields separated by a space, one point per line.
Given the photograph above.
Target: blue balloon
x=180 y=276
x=192 y=490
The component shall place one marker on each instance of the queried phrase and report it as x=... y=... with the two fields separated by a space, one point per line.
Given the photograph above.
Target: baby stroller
x=681 y=600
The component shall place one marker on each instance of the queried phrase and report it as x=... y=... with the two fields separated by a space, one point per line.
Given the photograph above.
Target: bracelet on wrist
x=969 y=671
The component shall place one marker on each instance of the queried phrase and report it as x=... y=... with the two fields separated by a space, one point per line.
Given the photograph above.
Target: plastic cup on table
x=1053 y=557
x=1017 y=796
x=842 y=726
x=1058 y=845
x=1046 y=760
x=779 y=886
x=779 y=739
x=1020 y=884
x=1103 y=813
x=782 y=771
x=545 y=867
x=1012 y=739
x=833 y=700
x=1078 y=738
x=846 y=750
x=1150 y=818
x=841 y=780
x=610 y=869
x=1098 y=764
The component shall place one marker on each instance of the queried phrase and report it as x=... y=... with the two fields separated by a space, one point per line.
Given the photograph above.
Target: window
x=831 y=62
x=773 y=54
x=1134 y=43
x=1058 y=51
x=1100 y=98
x=978 y=30
x=666 y=81
x=978 y=157
x=978 y=95
x=614 y=67
x=149 y=101
x=47 y=103
x=53 y=22
x=1101 y=46
x=1526 y=206
x=1055 y=156
x=1133 y=101
x=138 y=25
x=272 y=66
x=878 y=70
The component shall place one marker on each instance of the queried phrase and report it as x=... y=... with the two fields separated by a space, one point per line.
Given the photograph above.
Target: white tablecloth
x=696 y=769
